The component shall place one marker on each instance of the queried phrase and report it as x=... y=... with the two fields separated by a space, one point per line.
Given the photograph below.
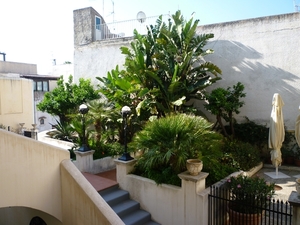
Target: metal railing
x=125 y=28
x=220 y=212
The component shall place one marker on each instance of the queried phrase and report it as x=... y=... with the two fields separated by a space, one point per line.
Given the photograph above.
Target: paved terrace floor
x=285 y=181
x=102 y=180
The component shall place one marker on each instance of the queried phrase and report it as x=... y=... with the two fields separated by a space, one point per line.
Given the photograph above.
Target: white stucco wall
x=16 y=102
x=30 y=175
x=97 y=58
x=262 y=53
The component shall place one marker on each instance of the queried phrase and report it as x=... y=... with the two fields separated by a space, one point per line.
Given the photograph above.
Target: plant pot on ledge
x=237 y=218
x=194 y=166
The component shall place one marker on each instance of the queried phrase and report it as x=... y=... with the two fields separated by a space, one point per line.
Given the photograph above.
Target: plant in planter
x=169 y=142
x=249 y=195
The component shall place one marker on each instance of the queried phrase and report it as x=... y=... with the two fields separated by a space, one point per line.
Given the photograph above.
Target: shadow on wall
x=262 y=79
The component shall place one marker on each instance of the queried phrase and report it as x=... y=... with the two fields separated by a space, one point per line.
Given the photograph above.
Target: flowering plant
x=249 y=194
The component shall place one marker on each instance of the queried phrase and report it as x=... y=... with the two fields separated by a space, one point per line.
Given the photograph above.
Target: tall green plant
x=163 y=69
x=65 y=99
x=224 y=103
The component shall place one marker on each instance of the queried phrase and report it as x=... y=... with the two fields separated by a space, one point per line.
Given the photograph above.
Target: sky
x=38 y=31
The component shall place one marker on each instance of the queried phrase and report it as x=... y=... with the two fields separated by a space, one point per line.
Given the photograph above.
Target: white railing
x=125 y=28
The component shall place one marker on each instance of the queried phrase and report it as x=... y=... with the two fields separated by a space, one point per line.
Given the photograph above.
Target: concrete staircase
x=128 y=210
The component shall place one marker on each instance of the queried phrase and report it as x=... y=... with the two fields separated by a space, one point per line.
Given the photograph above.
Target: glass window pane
x=98 y=22
x=45 y=86
x=34 y=85
x=39 y=85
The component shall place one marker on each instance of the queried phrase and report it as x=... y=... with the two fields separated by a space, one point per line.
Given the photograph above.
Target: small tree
x=223 y=103
x=66 y=98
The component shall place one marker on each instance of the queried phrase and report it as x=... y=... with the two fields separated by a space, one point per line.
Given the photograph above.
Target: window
x=98 y=23
x=40 y=85
x=98 y=28
x=45 y=86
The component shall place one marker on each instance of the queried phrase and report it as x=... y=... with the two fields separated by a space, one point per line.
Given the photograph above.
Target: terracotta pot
x=194 y=166
x=237 y=218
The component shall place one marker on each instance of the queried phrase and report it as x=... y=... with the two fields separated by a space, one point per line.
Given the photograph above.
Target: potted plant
x=249 y=196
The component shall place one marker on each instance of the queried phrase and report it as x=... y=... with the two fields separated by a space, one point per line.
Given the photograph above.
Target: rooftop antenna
x=113 y=10
x=4 y=54
x=296 y=6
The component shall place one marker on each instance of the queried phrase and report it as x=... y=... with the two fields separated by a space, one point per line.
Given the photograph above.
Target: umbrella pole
x=276 y=171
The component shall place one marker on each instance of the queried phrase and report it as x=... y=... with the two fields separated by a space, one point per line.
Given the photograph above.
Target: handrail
x=125 y=28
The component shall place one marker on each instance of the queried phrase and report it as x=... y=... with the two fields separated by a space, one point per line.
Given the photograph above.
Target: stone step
x=151 y=223
x=138 y=217
x=127 y=209
x=115 y=196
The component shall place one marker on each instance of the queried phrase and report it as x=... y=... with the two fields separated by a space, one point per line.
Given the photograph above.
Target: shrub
x=168 y=142
x=245 y=155
x=252 y=133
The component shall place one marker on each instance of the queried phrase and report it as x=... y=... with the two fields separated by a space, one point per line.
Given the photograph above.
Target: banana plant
x=163 y=69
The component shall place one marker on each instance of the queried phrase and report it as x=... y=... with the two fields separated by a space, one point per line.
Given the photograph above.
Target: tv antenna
x=113 y=10
x=296 y=6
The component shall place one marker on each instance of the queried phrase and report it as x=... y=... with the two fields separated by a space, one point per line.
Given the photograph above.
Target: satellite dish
x=141 y=17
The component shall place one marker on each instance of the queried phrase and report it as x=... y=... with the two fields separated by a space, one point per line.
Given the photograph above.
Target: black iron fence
x=223 y=210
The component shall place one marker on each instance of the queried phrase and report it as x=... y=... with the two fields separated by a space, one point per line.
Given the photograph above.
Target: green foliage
x=103 y=115
x=250 y=194
x=252 y=133
x=163 y=69
x=2 y=126
x=224 y=103
x=218 y=167
x=168 y=142
x=66 y=98
x=63 y=131
x=104 y=149
x=244 y=155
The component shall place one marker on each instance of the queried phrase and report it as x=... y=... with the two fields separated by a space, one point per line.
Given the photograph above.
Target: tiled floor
x=286 y=181
x=102 y=180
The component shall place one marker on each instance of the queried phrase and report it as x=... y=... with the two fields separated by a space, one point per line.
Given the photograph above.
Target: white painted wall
x=263 y=54
x=97 y=58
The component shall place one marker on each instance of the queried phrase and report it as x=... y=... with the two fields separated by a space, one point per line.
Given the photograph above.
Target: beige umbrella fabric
x=276 y=131
x=297 y=129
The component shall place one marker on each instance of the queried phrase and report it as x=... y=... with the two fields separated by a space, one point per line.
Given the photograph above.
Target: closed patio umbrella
x=276 y=131
x=297 y=129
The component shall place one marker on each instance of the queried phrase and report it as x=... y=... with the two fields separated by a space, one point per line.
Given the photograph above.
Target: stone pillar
x=123 y=168
x=294 y=200
x=84 y=161
x=192 y=186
